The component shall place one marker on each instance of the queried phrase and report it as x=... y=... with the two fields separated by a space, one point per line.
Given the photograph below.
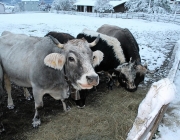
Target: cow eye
x=71 y=59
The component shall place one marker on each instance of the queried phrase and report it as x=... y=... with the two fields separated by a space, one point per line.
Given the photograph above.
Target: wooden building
x=118 y=6
x=88 y=5
x=85 y=5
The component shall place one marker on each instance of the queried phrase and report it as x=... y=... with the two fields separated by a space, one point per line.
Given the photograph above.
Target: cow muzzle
x=130 y=86
x=87 y=81
x=93 y=80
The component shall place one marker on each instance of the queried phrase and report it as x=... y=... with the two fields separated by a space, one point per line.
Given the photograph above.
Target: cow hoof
x=81 y=107
x=68 y=108
x=10 y=106
x=29 y=98
x=36 y=123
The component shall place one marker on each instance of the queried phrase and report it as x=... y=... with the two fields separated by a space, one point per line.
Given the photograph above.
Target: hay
x=107 y=116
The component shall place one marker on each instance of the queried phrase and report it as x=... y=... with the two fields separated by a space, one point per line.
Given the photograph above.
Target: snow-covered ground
x=155 y=40
x=170 y=126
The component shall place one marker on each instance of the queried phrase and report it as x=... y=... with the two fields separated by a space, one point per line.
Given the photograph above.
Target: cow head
x=130 y=75
x=78 y=61
x=104 y=76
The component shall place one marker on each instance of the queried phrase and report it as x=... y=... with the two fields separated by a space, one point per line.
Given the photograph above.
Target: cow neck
x=74 y=92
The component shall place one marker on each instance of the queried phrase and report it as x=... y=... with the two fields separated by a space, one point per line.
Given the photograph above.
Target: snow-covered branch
x=150 y=6
x=103 y=6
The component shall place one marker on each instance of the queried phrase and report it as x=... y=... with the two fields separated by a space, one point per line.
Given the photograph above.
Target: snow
x=92 y=2
x=155 y=40
x=85 y=2
x=171 y=121
x=116 y=3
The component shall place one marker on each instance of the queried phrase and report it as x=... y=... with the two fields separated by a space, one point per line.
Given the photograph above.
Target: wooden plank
x=154 y=124
x=158 y=120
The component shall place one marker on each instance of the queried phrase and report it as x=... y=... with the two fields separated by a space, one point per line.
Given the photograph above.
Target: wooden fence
x=171 y=18
x=147 y=129
x=151 y=17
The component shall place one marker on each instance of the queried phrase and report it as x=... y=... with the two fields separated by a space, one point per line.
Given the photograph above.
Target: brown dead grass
x=107 y=116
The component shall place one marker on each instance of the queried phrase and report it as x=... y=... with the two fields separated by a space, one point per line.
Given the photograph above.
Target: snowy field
x=155 y=40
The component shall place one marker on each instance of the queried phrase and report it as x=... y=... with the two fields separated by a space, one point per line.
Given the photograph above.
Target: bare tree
x=65 y=5
x=151 y=6
x=103 y=6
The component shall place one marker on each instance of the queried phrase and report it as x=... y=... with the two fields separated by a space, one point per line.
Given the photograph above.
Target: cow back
x=111 y=60
x=60 y=36
x=126 y=39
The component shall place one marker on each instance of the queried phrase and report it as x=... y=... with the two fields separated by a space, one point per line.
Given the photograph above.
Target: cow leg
x=65 y=106
x=1 y=128
x=27 y=94
x=38 y=96
x=8 y=89
x=81 y=102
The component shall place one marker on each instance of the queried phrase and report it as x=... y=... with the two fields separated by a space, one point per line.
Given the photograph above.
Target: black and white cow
x=132 y=57
x=121 y=55
x=47 y=66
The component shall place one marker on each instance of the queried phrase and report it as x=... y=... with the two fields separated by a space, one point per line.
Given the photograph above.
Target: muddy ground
x=108 y=115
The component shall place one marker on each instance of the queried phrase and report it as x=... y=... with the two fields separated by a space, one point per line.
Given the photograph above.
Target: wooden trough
x=144 y=129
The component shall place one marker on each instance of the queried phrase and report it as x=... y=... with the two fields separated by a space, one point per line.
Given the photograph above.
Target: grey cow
x=46 y=65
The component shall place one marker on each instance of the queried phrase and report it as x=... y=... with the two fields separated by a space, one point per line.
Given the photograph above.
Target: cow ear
x=97 y=58
x=119 y=68
x=55 y=60
x=83 y=39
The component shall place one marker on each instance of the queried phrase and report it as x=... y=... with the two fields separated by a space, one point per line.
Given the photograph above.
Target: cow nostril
x=88 y=78
x=91 y=79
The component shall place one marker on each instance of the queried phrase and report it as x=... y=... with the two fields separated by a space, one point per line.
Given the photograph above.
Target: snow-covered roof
x=9 y=6
x=86 y=2
x=116 y=3
x=92 y=2
x=29 y=0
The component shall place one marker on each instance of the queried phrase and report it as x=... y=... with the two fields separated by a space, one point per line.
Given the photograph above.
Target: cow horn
x=131 y=64
x=92 y=44
x=120 y=66
x=56 y=42
x=130 y=60
x=145 y=65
